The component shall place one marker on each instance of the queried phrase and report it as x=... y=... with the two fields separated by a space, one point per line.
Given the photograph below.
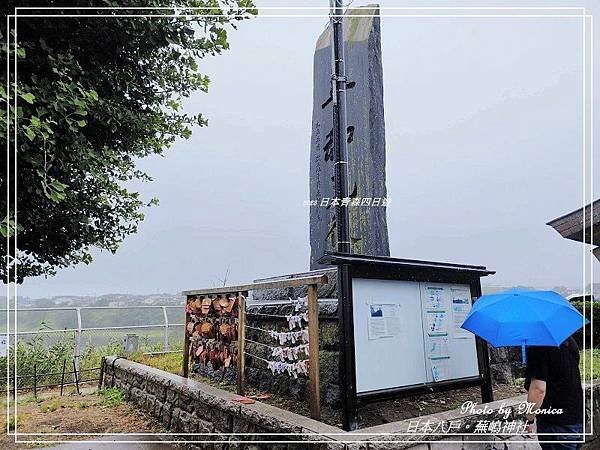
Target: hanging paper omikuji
x=296 y=320
x=285 y=337
x=292 y=369
x=289 y=353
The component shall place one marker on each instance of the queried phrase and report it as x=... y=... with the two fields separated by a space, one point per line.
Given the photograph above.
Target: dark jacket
x=559 y=368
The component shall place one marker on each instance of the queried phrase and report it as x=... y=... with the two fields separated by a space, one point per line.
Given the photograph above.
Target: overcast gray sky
x=484 y=146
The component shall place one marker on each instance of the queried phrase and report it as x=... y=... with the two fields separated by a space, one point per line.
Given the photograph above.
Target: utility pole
x=338 y=93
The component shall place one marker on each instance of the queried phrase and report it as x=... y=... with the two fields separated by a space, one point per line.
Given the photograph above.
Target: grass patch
x=50 y=407
x=169 y=362
x=15 y=421
x=111 y=397
x=517 y=381
x=595 y=360
x=28 y=399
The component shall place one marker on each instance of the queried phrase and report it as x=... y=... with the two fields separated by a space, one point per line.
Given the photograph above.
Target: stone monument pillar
x=365 y=137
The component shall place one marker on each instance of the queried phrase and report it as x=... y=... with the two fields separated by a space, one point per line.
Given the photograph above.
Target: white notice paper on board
x=384 y=320
x=440 y=368
x=439 y=346
x=435 y=298
x=437 y=322
x=461 y=306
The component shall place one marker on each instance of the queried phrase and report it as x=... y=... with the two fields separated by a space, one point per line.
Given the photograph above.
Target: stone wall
x=505 y=364
x=259 y=376
x=327 y=290
x=592 y=413
x=261 y=316
x=187 y=406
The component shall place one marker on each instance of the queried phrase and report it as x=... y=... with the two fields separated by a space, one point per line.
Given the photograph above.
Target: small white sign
x=3 y=346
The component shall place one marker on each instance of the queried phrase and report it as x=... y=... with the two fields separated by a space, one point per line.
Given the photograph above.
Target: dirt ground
x=89 y=412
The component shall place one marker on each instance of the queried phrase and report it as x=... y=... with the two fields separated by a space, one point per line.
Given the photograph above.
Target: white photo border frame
x=587 y=98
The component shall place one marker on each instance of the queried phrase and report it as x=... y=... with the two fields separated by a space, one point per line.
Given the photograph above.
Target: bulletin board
x=408 y=333
x=400 y=329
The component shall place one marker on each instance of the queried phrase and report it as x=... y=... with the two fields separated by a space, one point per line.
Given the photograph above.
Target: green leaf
x=81 y=112
x=29 y=133
x=9 y=228
x=81 y=123
x=28 y=97
x=186 y=133
x=35 y=122
x=174 y=104
x=56 y=197
x=57 y=185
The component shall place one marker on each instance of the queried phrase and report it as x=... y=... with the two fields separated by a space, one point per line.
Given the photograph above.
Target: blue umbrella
x=520 y=317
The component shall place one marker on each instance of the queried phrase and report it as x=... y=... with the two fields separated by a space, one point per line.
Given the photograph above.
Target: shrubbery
x=48 y=361
x=592 y=308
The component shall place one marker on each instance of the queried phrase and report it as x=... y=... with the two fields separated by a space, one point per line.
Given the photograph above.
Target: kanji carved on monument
x=365 y=135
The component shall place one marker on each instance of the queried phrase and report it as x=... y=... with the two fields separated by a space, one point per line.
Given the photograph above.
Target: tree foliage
x=94 y=95
x=592 y=309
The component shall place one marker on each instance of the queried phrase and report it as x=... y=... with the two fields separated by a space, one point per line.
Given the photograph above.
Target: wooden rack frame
x=312 y=282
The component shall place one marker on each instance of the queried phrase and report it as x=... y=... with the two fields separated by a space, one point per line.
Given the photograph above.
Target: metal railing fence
x=37 y=381
x=88 y=328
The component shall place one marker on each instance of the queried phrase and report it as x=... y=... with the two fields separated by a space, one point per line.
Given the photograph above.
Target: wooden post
x=35 y=381
x=62 y=378
x=76 y=375
x=101 y=375
x=347 y=368
x=483 y=357
x=186 y=343
x=313 y=352
x=241 y=359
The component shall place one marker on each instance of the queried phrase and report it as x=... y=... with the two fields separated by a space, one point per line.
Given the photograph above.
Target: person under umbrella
x=542 y=324
x=554 y=391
